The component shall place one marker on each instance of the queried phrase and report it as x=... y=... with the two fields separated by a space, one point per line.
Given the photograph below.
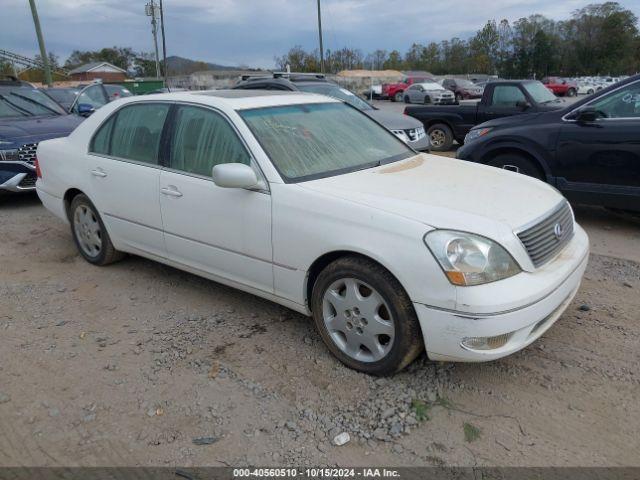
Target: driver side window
x=202 y=139
x=624 y=103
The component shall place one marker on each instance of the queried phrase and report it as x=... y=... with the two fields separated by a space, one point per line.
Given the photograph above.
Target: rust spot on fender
x=402 y=166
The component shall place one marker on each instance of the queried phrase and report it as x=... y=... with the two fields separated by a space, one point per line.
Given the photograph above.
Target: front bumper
x=17 y=182
x=445 y=331
x=421 y=145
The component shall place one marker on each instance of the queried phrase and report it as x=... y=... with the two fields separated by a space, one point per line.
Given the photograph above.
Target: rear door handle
x=98 y=172
x=171 y=191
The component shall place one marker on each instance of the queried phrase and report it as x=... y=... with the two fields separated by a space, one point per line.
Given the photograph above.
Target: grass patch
x=421 y=409
x=444 y=402
x=471 y=432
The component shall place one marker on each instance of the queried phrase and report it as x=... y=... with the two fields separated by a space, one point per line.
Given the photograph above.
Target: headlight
x=476 y=133
x=469 y=259
x=401 y=135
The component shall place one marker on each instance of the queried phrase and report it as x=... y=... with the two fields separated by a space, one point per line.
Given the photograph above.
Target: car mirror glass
x=587 y=115
x=84 y=109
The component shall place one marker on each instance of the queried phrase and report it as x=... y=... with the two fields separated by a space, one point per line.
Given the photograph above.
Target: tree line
x=599 y=39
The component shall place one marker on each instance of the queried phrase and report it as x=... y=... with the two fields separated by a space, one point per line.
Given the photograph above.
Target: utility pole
x=43 y=51
x=164 y=48
x=151 y=9
x=320 y=36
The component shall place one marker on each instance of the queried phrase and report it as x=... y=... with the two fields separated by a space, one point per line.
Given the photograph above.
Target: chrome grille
x=27 y=153
x=547 y=237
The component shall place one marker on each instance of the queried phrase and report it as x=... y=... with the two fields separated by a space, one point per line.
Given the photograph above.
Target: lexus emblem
x=558 y=231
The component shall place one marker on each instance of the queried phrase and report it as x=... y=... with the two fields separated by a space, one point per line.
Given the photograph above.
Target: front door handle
x=171 y=191
x=98 y=172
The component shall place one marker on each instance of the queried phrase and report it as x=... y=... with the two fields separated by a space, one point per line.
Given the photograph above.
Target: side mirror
x=587 y=115
x=84 y=109
x=523 y=104
x=234 y=175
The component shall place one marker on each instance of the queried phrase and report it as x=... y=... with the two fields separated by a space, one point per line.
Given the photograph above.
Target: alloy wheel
x=87 y=230
x=358 y=320
x=437 y=138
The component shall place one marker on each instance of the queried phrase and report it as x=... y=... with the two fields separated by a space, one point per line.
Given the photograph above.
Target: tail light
x=38 y=171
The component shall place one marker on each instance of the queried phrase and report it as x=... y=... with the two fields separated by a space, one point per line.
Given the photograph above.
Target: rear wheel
x=517 y=163
x=459 y=97
x=398 y=97
x=90 y=234
x=571 y=92
x=365 y=317
x=440 y=137
x=407 y=99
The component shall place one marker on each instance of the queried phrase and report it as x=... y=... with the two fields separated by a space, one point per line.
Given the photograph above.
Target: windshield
x=65 y=96
x=335 y=91
x=432 y=86
x=320 y=140
x=539 y=92
x=27 y=102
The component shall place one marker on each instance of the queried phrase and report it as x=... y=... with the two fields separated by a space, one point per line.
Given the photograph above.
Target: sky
x=253 y=32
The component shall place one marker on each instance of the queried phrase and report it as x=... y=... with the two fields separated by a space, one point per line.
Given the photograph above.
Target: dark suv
x=406 y=128
x=27 y=116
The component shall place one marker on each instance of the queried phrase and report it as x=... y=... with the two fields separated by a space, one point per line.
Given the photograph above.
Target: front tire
x=459 y=97
x=440 y=137
x=365 y=317
x=517 y=163
x=90 y=234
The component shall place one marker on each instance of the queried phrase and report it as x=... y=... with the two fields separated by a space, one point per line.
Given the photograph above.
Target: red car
x=560 y=87
x=395 y=91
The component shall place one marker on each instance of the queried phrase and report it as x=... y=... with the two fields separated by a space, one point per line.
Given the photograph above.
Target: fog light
x=486 y=343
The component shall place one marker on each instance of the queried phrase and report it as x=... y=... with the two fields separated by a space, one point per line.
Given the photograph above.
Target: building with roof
x=104 y=71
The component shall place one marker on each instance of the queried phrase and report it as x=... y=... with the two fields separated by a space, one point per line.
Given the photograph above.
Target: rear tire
x=89 y=233
x=398 y=97
x=517 y=163
x=459 y=97
x=440 y=137
x=571 y=92
x=407 y=99
x=357 y=302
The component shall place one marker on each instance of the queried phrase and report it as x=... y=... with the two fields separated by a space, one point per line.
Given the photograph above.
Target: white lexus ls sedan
x=305 y=201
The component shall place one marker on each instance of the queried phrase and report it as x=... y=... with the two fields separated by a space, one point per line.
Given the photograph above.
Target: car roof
x=239 y=99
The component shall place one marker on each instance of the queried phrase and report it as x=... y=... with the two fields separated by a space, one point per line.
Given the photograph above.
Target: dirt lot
x=129 y=364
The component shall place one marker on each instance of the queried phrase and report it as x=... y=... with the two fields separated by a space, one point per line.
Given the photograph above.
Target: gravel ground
x=141 y=364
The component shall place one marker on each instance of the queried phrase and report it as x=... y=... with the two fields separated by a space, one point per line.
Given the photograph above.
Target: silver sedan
x=429 y=93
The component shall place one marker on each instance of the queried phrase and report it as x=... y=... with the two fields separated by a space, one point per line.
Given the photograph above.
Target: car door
x=504 y=102
x=123 y=174
x=224 y=232
x=603 y=155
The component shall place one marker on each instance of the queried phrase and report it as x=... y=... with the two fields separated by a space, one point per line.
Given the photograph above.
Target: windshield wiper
x=16 y=107
x=31 y=100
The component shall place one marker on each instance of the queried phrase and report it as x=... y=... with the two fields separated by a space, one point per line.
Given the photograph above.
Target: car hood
x=447 y=193
x=32 y=130
x=393 y=120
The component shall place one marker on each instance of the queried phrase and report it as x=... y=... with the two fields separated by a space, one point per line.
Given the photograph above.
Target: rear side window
x=101 y=140
x=202 y=139
x=133 y=133
x=507 y=96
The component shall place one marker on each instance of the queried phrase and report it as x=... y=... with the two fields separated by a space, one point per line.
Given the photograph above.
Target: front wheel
x=90 y=234
x=440 y=137
x=365 y=317
x=517 y=163
x=459 y=97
